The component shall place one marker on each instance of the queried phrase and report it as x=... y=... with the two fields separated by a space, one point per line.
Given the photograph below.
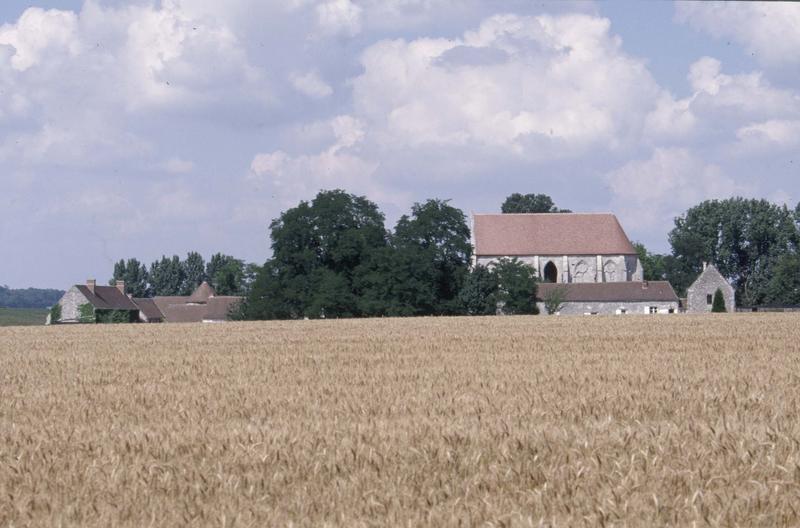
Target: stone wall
x=582 y=268
x=707 y=284
x=70 y=303
x=611 y=308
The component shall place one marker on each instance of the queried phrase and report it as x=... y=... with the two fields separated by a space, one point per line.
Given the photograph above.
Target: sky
x=148 y=128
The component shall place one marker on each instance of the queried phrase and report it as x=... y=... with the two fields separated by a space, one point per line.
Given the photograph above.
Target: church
x=586 y=258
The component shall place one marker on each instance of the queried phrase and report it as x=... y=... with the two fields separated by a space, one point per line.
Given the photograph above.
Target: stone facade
x=700 y=295
x=70 y=306
x=614 y=308
x=581 y=268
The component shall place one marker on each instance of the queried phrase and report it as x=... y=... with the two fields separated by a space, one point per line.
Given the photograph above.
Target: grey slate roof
x=107 y=298
x=658 y=291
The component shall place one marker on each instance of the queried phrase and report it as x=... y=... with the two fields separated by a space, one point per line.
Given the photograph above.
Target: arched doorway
x=550 y=272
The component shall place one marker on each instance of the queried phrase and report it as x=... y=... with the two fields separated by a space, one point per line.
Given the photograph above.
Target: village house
x=90 y=303
x=584 y=258
x=700 y=295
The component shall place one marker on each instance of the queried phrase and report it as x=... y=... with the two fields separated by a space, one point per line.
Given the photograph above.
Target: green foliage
x=194 y=272
x=654 y=266
x=555 y=299
x=55 y=313
x=480 y=292
x=744 y=238
x=530 y=203
x=135 y=276
x=167 y=276
x=435 y=240
x=317 y=249
x=28 y=297
x=516 y=291
x=718 y=304
x=86 y=313
x=115 y=316
x=784 y=285
x=226 y=274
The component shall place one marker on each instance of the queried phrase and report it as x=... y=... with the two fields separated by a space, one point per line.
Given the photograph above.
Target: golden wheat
x=501 y=421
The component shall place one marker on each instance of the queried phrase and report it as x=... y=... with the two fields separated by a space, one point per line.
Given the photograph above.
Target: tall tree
x=194 y=272
x=530 y=203
x=744 y=238
x=135 y=275
x=654 y=267
x=226 y=274
x=479 y=294
x=317 y=249
x=167 y=276
x=516 y=286
x=436 y=238
x=784 y=284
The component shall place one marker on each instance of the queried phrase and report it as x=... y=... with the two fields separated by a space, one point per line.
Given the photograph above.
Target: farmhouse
x=585 y=258
x=97 y=304
x=700 y=295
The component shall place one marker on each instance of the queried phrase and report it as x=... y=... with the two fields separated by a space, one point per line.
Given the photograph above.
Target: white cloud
x=537 y=86
x=769 y=30
x=775 y=133
x=39 y=32
x=310 y=84
x=339 y=17
x=649 y=193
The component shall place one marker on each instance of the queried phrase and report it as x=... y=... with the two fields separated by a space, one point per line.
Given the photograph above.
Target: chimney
x=121 y=286
x=705 y=265
x=91 y=283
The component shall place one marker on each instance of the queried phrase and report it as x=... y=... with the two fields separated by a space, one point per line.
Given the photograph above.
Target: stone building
x=91 y=303
x=586 y=257
x=700 y=295
x=561 y=247
x=654 y=297
x=84 y=303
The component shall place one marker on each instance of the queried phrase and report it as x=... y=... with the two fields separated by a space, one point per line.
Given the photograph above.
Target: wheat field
x=497 y=421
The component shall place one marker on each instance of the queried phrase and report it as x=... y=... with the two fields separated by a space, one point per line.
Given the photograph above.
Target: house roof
x=181 y=310
x=149 y=308
x=550 y=234
x=612 y=291
x=202 y=293
x=107 y=298
x=714 y=273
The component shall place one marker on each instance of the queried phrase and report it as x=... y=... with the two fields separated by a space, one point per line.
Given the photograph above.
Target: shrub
x=718 y=305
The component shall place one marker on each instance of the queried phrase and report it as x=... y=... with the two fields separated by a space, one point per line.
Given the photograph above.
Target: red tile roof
x=657 y=291
x=550 y=234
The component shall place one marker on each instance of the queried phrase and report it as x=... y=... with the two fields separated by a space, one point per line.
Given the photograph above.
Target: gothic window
x=550 y=273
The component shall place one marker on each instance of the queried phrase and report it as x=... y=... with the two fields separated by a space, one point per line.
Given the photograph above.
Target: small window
x=672 y=310
x=623 y=311
x=709 y=299
x=654 y=309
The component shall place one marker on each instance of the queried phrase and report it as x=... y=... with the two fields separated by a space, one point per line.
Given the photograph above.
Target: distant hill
x=28 y=297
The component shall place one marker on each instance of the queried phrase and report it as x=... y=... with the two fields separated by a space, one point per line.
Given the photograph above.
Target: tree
x=516 y=286
x=435 y=238
x=226 y=274
x=167 y=276
x=555 y=299
x=530 y=203
x=718 y=304
x=653 y=265
x=744 y=238
x=784 y=285
x=135 y=275
x=194 y=272
x=318 y=249
x=479 y=294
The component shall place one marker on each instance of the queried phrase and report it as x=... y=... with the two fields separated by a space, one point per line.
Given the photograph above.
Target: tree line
x=176 y=276
x=28 y=297
x=333 y=257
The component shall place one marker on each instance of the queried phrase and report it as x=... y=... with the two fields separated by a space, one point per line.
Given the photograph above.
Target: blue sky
x=142 y=128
